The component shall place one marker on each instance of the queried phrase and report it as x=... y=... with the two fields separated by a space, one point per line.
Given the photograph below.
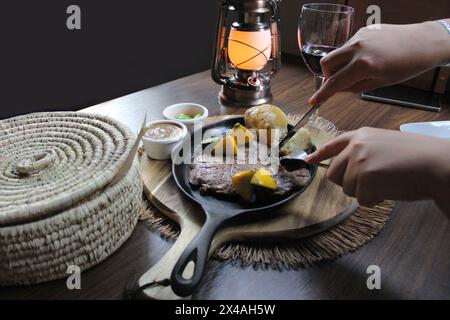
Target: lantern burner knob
x=254 y=81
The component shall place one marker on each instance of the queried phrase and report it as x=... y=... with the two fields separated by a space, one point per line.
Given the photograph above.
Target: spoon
x=297 y=159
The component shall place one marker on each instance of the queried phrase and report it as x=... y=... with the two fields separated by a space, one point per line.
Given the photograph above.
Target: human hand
x=377 y=164
x=374 y=57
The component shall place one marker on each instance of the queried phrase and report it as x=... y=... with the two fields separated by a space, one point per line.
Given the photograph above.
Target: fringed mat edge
x=347 y=236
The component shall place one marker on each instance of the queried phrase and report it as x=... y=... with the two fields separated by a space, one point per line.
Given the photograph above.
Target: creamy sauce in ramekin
x=163 y=131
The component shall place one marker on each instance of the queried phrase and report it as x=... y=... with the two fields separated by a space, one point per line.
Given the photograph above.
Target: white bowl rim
x=180 y=137
x=186 y=104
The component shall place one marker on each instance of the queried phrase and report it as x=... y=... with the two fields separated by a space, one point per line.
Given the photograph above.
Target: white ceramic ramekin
x=189 y=108
x=161 y=149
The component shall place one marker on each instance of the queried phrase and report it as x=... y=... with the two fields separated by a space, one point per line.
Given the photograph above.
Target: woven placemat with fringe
x=347 y=236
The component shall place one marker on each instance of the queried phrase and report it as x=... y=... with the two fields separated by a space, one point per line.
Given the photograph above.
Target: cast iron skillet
x=217 y=211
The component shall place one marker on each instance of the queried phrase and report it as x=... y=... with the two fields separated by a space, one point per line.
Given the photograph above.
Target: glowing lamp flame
x=249 y=50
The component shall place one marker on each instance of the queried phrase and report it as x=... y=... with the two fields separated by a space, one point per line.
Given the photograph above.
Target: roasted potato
x=301 y=141
x=241 y=181
x=226 y=146
x=263 y=178
x=267 y=117
x=242 y=134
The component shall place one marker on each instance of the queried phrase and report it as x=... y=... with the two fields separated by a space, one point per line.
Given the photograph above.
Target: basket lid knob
x=36 y=162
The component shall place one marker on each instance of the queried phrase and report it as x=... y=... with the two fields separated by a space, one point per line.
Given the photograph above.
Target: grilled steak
x=215 y=178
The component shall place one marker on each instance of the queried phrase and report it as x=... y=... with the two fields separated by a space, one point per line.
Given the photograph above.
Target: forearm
x=438 y=51
x=427 y=43
x=383 y=56
x=438 y=41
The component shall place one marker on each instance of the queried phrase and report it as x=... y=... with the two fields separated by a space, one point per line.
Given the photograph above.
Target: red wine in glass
x=312 y=54
x=322 y=28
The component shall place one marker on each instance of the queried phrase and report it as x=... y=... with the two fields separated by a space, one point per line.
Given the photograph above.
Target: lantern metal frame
x=246 y=87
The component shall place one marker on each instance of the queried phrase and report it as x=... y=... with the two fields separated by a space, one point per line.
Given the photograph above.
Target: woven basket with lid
x=58 y=205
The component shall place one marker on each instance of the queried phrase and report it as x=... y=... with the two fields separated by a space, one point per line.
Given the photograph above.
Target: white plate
x=438 y=129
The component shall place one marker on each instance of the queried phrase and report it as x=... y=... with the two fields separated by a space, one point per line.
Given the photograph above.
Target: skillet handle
x=196 y=252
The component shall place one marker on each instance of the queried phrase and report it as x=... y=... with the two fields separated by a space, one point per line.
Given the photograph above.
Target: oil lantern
x=247 y=51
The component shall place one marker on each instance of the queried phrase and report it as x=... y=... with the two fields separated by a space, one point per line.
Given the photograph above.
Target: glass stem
x=319 y=81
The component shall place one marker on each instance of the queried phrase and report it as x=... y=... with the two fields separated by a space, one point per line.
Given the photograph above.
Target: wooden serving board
x=321 y=206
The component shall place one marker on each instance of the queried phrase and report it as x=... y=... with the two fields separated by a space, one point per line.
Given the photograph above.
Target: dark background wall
x=123 y=46
x=128 y=45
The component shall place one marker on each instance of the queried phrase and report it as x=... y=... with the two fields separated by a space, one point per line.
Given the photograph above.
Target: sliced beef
x=288 y=182
x=215 y=178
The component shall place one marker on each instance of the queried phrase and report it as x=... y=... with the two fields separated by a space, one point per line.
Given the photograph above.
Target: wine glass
x=322 y=28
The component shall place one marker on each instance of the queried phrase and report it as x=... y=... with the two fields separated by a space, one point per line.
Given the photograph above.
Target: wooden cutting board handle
x=163 y=268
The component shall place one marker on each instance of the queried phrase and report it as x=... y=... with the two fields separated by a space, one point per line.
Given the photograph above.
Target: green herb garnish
x=183 y=116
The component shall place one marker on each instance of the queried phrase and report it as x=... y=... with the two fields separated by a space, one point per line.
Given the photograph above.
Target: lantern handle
x=220 y=38
x=275 y=33
x=274 y=6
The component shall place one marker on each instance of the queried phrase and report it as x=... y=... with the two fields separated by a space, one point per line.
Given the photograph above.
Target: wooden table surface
x=412 y=251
